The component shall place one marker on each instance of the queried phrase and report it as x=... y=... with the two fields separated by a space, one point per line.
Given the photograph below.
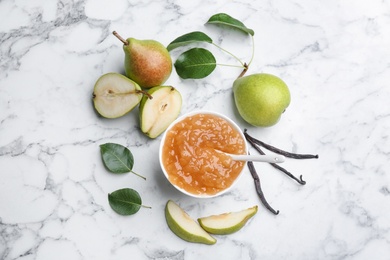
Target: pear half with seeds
x=159 y=109
x=227 y=223
x=114 y=95
x=184 y=226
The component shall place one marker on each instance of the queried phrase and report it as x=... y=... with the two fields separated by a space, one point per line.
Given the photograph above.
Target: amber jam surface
x=190 y=158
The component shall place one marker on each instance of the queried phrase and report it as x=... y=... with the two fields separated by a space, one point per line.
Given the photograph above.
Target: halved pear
x=184 y=226
x=227 y=223
x=158 y=112
x=114 y=95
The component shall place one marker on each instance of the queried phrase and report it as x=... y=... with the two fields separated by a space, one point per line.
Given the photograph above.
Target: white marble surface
x=334 y=55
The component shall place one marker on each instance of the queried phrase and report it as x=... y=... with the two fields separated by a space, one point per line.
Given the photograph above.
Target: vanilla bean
x=258 y=188
x=280 y=151
x=300 y=180
x=258 y=149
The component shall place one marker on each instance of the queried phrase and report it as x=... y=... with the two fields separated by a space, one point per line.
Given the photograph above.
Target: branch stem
x=253 y=50
x=228 y=52
x=228 y=65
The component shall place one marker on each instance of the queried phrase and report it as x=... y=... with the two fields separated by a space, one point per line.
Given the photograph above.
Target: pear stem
x=120 y=38
x=246 y=66
x=145 y=93
x=128 y=93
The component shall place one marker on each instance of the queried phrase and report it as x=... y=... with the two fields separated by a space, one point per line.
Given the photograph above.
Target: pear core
x=114 y=95
x=261 y=98
x=157 y=113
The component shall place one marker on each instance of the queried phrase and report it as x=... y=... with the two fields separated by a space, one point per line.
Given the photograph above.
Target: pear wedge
x=114 y=95
x=184 y=226
x=227 y=223
x=158 y=112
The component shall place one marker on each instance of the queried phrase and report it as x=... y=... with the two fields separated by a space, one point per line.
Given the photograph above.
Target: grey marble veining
x=53 y=187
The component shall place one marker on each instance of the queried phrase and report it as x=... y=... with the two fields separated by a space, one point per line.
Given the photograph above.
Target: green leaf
x=195 y=63
x=225 y=19
x=189 y=38
x=125 y=201
x=117 y=158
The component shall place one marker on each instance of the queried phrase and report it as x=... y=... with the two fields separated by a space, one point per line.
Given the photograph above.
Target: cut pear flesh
x=184 y=226
x=227 y=223
x=115 y=95
x=158 y=112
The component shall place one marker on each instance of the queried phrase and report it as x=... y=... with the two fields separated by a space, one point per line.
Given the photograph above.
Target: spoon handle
x=258 y=158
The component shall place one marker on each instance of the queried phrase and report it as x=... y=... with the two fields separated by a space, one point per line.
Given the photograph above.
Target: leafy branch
x=198 y=63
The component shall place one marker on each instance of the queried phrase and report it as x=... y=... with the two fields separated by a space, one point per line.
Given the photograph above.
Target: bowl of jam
x=192 y=153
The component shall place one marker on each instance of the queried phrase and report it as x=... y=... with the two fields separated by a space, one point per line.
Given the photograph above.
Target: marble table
x=334 y=55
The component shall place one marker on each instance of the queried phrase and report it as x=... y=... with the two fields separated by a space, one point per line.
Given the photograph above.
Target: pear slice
x=114 y=95
x=227 y=223
x=184 y=226
x=158 y=112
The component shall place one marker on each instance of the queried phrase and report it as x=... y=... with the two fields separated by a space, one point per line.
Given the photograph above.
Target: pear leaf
x=125 y=201
x=189 y=38
x=195 y=63
x=117 y=158
x=225 y=19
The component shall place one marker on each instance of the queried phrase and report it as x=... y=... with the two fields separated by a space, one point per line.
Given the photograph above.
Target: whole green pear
x=147 y=62
x=261 y=98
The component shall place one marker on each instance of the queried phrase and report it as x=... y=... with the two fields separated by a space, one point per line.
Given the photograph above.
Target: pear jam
x=191 y=156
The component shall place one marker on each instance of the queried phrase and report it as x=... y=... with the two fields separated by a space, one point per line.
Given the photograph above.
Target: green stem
x=253 y=50
x=228 y=52
x=229 y=65
x=148 y=207
x=139 y=175
x=246 y=66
